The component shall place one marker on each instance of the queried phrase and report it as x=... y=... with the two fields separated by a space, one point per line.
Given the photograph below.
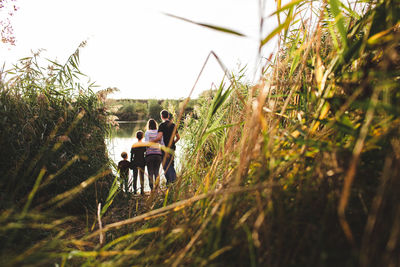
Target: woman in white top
x=153 y=153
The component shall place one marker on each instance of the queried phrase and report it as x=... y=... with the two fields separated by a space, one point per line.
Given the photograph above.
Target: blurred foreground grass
x=300 y=169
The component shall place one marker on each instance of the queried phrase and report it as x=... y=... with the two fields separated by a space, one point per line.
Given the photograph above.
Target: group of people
x=157 y=149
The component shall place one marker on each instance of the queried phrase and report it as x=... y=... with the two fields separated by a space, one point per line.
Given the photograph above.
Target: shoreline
x=138 y=121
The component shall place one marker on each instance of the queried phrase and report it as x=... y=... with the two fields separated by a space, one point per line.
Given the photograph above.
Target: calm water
x=123 y=139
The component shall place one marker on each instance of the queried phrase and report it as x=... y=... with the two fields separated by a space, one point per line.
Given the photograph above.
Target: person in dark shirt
x=137 y=162
x=123 y=167
x=169 y=133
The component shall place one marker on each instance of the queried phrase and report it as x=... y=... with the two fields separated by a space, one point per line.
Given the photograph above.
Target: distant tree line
x=144 y=109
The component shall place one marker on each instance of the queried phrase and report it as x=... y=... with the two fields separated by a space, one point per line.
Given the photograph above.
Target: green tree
x=141 y=110
x=154 y=109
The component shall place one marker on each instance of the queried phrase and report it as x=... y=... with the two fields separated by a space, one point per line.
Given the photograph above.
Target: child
x=137 y=162
x=123 y=167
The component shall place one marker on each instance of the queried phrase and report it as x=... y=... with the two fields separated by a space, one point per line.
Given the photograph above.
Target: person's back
x=153 y=153
x=168 y=128
x=149 y=135
x=123 y=167
x=138 y=162
x=138 y=151
x=168 y=132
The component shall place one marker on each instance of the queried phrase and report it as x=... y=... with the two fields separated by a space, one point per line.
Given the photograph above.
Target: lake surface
x=122 y=140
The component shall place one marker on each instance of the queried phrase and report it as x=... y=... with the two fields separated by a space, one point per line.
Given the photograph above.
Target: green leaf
x=217 y=28
x=279 y=6
x=351 y=12
x=111 y=195
x=335 y=4
x=295 y=54
x=55 y=63
x=285 y=7
x=277 y=30
x=222 y=127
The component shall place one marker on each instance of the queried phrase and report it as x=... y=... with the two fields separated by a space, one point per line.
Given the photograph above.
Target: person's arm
x=158 y=138
x=177 y=137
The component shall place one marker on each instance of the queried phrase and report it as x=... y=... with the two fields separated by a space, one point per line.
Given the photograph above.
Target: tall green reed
x=299 y=169
x=53 y=159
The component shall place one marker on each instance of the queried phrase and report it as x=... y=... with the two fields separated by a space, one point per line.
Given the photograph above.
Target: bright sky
x=133 y=46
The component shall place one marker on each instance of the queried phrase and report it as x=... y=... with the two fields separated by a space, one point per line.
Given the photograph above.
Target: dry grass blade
x=179 y=205
x=183 y=253
x=271 y=174
x=68 y=195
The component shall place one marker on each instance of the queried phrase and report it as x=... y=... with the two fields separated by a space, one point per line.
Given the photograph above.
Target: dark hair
x=164 y=114
x=139 y=135
x=124 y=155
x=152 y=125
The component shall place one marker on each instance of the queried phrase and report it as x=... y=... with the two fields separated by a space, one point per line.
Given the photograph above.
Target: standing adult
x=169 y=133
x=137 y=162
x=153 y=153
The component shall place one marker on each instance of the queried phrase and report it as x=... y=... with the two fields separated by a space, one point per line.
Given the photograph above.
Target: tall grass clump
x=301 y=169
x=54 y=166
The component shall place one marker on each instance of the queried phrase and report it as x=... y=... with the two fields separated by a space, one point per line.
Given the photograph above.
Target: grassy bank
x=301 y=169
x=53 y=160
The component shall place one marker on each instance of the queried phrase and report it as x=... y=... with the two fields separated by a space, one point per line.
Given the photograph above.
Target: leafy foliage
x=53 y=159
x=300 y=169
x=144 y=109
